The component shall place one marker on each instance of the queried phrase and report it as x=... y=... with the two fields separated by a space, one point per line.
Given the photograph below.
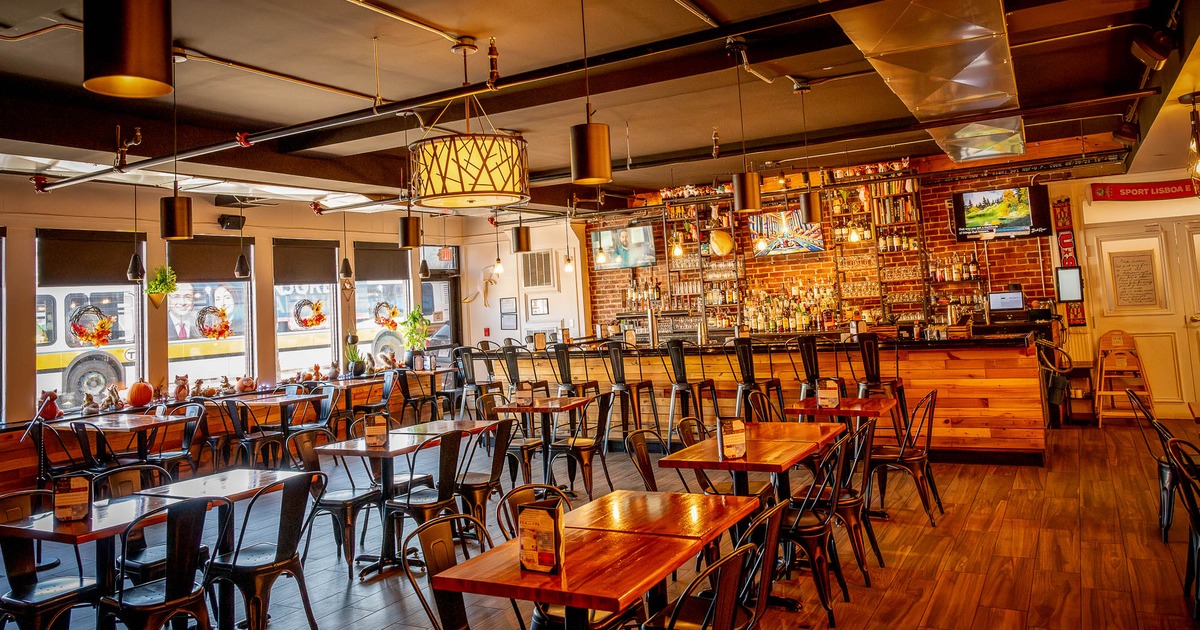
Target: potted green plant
x=355 y=364
x=414 y=334
x=161 y=283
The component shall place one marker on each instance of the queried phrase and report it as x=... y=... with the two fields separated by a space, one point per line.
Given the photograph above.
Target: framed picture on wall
x=508 y=321
x=508 y=305
x=539 y=306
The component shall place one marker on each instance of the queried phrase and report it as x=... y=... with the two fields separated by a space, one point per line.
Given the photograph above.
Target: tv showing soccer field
x=1017 y=212
x=623 y=248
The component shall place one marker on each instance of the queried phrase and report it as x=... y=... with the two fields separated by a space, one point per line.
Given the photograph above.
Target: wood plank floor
x=1072 y=545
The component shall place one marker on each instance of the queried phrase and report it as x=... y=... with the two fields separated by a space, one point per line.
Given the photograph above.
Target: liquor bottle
x=966 y=268
x=974 y=266
x=904 y=242
x=658 y=289
x=894 y=242
x=955 y=268
x=882 y=241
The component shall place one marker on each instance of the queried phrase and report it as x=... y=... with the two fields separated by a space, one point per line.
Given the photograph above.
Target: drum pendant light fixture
x=175 y=212
x=241 y=269
x=469 y=170
x=747 y=193
x=591 y=152
x=344 y=271
x=410 y=231
x=136 y=271
x=127 y=47
x=521 y=241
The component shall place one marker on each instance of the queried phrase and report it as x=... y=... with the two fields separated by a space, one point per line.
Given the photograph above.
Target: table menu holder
x=828 y=396
x=376 y=431
x=542 y=535
x=72 y=498
x=731 y=438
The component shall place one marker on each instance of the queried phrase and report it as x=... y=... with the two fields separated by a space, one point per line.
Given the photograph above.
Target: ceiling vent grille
x=537 y=270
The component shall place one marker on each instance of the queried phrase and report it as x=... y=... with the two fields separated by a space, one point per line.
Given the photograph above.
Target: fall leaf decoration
x=89 y=325
x=219 y=329
x=309 y=314
x=385 y=315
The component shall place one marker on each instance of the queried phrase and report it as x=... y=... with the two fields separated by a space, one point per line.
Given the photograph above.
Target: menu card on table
x=731 y=437
x=376 y=431
x=72 y=498
x=542 y=537
x=828 y=396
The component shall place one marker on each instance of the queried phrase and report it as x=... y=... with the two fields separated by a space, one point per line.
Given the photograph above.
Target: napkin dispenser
x=72 y=498
x=543 y=542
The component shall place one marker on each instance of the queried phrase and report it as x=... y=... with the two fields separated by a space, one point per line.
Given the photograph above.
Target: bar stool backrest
x=806 y=347
x=560 y=362
x=511 y=364
x=464 y=358
x=869 y=353
x=617 y=352
x=677 y=350
x=743 y=351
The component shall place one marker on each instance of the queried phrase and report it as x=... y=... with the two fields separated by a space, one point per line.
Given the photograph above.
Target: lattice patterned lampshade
x=1194 y=152
x=469 y=171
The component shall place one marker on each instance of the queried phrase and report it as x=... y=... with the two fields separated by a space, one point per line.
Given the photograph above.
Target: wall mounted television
x=624 y=248
x=1018 y=212
x=784 y=232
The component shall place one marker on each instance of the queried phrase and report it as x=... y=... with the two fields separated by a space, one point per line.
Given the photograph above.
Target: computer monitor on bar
x=1007 y=306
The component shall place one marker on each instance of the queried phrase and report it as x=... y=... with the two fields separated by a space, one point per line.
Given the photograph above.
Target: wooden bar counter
x=989 y=395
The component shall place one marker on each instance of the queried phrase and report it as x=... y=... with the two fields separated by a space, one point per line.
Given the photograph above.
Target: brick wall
x=1015 y=260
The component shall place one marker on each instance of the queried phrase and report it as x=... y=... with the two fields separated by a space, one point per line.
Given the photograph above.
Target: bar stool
x=873 y=383
x=806 y=347
x=464 y=359
x=489 y=352
x=630 y=394
x=560 y=364
x=512 y=371
x=743 y=349
x=683 y=389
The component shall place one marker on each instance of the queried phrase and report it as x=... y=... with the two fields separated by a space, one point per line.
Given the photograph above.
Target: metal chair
x=472 y=387
x=384 y=406
x=559 y=355
x=522 y=447
x=489 y=353
x=723 y=579
x=810 y=381
x=1185 y=457
x=743 y=351
x=98 y=456
x=474 y=488
x=584 y=443
x=419 y=401
x=683 y=389
x=1168 y=477
x=637 y=445
x=425 y=504
x=436 y=540
x=911 y=456
x=326 y=409
x=762 y=409
x=341 y=505
x=254 y=568
x=218 y=441
x=195 y=437
x=511 y=364
x=629 y=393
x=253 y=446
x=30 y=602
x=873 y=382
x=149 y=606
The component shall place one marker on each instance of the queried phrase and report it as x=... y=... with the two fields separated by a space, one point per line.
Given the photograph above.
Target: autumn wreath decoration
x=309 y=314
x=89 y=325
x=213 y=323
x=385 y=315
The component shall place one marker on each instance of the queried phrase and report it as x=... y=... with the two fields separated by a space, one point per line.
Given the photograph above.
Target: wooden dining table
x=444 y=426
x=138 y=424
x=347 y=384
x=546 y=408
x=235 y=484
x=618 y=548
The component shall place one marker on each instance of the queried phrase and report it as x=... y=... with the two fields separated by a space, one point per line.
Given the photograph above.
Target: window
x=204 y=266
x=440 y=257
x=78 y=270
x=382 y=275
x=305 y=282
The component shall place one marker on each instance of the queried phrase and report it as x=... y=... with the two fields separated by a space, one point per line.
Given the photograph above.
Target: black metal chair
x=384 y=406
x=220 y=439
x=762 y=408
x=1185 y=457
x=638 y=448
x=511 y=364
x=472 y=387
x=559 y=356
x=425 y=504
x=30 y=602
x=522 y=447
x=436 y=543
x=195 y=437
x=586 y=441
x=474 y=488
x=723 y=580
x=873 y=382
x=417 y=402
x=683 y=389
x=150 y=605
x=342 y=505
x=911 y=457
x=811 y=380
x=1168 y=478
x=811 y=524
x=748 y=381
x=98 y=456
x=254 y=568
x=489 y=353
x=253 y=446
x=326 y=409
x=629 y=393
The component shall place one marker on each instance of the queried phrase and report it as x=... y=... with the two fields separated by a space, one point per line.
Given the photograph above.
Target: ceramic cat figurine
x=111 y=400
x=226 y=387
x=333 y=372
x=198 y=387
x=180 y=392
x=89 y=405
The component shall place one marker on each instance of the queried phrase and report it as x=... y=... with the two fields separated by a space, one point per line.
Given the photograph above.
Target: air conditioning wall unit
x=538 y=271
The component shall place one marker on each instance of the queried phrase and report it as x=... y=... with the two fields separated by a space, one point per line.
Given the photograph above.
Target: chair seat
x=422 y=497
x=149 y=595
x=891 y=380
x=809 y=524
x=48 y=592
x=692 y=613
x=846 y=494
x=349 y=496
x=401 y=487
x=893 y=453
x=757 y=488
x=475 y=480
x=259 y=435
x=250 y=557
x=374 y=407
x=553 y=616
x=574 y=443
x=525 y=443
x=154 y=554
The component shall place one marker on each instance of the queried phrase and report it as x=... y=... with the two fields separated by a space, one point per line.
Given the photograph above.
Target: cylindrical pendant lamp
x=747 y=193
x=521 y=241
x=591 y=155
x=127 y=47
x=175 y=218
x=410 y=232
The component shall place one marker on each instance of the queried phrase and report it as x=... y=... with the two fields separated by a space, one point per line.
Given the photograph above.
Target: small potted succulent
x=414 y=334
x=355 y=364
x=161 y=283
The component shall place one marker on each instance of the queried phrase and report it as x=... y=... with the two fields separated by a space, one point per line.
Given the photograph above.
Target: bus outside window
x=189 y=351
x=75 y=368
x=298 y=349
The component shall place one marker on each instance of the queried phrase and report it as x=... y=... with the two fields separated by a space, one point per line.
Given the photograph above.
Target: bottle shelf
x=971 y=281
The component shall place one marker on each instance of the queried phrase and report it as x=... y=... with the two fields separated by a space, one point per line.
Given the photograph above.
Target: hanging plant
x=309 y=314
x=414 y=330
x=385 y=315
x=89 y=325
x=213 y=323
x=163 y=281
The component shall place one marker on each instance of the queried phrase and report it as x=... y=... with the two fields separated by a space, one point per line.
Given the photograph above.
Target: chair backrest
x=677 y=355
x=389 y=383
x=328 y=403
x=185 y=530
x=827 y=478
x=560 y=363
x=240 y=414
x=302 y=447
x=296 y=491
x=92 y=444
x=617 y=352
x=449 y=445
x=1185 y=458
x=603 y=418
x=868 y=344
x=436 y=540
x=762 y=409
x=501 y=437
x=743 y=351
x=487 y=352
x=636 y=444
x=197 y=428
x=763 y=533
x=19 y=559
x=806 y=347
x=920 y=424
x=1144 y=417
x=126 y=480
x=464 y=361
x=511 y=363
x=692 y=431
x=506 y=508
x=724 y=577
x=862 y=438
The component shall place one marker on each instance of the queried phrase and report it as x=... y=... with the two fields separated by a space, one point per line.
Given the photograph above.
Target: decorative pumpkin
x=140 y=393
x=245 y=384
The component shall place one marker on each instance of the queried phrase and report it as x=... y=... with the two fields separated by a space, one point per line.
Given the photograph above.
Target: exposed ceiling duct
x=945 y=59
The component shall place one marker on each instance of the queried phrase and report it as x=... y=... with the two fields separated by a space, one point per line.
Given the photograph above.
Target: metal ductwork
x=945 y=59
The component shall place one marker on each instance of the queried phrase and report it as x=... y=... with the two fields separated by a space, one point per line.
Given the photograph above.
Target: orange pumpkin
x=140 y=393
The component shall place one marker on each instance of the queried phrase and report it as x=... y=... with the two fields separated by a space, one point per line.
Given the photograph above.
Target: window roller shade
x=84 y=257
x=305 y=261
x=380 y=262
x=206 y=258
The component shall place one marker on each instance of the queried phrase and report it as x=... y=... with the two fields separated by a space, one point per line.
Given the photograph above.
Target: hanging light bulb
x=601 y=257
x=782 y=180
x=854 y=234
x=423 y=270
x=591 y=155
x=497 y=267
x=677 y=245
x=568 y=264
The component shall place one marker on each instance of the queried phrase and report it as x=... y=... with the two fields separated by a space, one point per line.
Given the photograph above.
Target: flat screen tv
x=1019 y=212
x=784 y=232
x=624 y=248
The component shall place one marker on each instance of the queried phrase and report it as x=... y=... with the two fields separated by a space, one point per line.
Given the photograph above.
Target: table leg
x=143 y=446
x=387 y=548
x=575 y=618
x=656 y=598
x=783 y=486
x=547 y=438
x=225 y=587
x=285 y=421
x=741 y=483
x=106 y=576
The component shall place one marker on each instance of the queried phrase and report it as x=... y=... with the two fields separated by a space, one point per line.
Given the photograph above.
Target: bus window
x=192 y=353
x=47 y=321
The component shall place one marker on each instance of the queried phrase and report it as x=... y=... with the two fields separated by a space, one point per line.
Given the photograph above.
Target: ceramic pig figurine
x=246 y=384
